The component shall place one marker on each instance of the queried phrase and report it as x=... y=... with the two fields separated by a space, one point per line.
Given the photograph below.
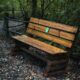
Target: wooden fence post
x=6 y=24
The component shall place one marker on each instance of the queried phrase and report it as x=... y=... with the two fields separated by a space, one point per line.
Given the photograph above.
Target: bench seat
x=39 y=44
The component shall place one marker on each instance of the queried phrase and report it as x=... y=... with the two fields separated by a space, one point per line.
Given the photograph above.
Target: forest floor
x=23 y=66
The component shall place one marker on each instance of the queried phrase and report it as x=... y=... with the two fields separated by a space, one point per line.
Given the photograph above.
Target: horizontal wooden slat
x=55 y=32
x=36 y=27
x=67 y=35
x=38 y=44
x=51 y=38
x=54 y=25
x=34 y=20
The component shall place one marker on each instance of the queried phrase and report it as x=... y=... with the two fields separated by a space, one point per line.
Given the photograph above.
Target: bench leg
x=15 y=50
x=47 y=69
x=17 y=47
x=51 y=69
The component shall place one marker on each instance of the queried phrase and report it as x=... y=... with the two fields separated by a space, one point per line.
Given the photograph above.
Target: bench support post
x=47 y=69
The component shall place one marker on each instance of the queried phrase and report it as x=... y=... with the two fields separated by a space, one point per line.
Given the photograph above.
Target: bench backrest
x=52 y=31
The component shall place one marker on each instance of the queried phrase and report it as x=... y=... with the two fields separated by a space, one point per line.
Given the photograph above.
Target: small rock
x=67 y=79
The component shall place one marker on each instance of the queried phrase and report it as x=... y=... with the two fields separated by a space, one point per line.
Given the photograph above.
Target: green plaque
x=47 y=29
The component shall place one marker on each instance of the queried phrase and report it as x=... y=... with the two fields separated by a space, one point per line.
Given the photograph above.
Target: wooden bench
x=54 y=40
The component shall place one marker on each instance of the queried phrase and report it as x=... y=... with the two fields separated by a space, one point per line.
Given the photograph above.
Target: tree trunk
x=34 y=7
x=42 y=8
